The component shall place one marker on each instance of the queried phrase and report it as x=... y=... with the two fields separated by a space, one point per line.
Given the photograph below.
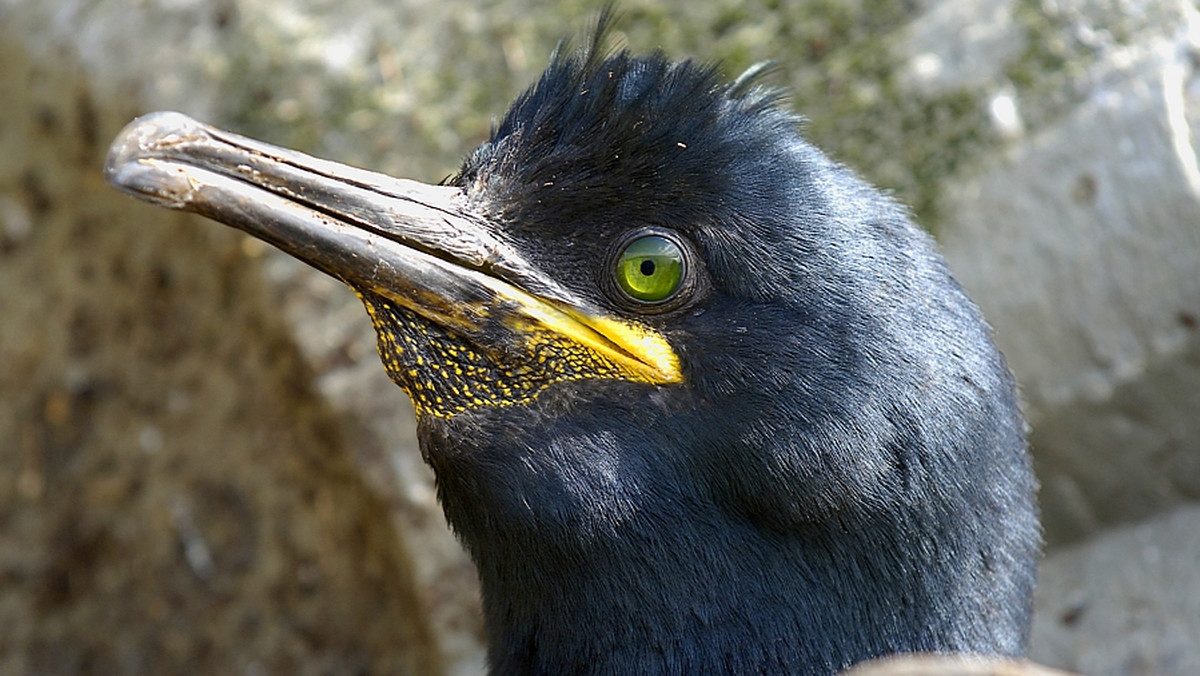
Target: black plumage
x=829 y=464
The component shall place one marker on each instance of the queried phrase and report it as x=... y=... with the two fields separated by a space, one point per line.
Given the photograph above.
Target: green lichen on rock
x=425 y=92
x=1053 y=59
x=838 y=60
x=842 y=67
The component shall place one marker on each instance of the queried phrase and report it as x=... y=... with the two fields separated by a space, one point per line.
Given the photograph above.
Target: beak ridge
x=415 y=244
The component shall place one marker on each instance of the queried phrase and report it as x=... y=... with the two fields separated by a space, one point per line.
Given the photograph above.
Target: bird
x=697 y=398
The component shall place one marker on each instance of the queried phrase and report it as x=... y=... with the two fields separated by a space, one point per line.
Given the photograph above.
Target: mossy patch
x=427 y=92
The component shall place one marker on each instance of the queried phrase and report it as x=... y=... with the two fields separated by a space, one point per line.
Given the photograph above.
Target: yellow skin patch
x=445 y=374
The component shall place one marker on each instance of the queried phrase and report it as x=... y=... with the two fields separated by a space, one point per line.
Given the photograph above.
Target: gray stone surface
x=1126 y=603
x=960 y=44
x=1081 y=242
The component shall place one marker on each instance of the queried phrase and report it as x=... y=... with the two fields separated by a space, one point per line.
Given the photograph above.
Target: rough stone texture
x=960 y=44
x=1125 y=603
x=173 y=497
x=182 y=445
x=1081 y=242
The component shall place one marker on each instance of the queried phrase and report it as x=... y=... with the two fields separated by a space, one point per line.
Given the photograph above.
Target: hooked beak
x=414 y=244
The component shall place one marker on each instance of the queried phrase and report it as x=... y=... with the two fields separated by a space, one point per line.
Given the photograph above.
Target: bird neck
x=655 y=598
x=594 y=555
x=719 y=600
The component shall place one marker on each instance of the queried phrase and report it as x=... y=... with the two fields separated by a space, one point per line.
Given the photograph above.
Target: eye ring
x=651 y=270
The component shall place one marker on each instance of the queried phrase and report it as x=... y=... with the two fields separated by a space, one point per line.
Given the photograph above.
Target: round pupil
x=650 y=268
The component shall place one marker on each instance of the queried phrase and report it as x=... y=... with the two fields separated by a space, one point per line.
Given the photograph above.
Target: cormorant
x=698 y=399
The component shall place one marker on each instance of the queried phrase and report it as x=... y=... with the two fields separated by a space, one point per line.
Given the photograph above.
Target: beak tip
x=143 y=136
x=129 y=165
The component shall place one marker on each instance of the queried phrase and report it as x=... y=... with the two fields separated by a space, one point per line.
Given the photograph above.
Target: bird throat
x=445 y=373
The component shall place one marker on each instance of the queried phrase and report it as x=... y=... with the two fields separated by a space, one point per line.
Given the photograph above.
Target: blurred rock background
x=204 y=470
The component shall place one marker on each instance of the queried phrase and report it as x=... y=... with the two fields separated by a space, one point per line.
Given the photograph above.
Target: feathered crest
x=598 y=104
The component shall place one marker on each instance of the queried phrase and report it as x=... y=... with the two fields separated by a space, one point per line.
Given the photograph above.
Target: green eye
x=650 y=268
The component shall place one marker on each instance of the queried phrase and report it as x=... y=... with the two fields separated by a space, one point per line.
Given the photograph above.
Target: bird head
x=697 y=398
